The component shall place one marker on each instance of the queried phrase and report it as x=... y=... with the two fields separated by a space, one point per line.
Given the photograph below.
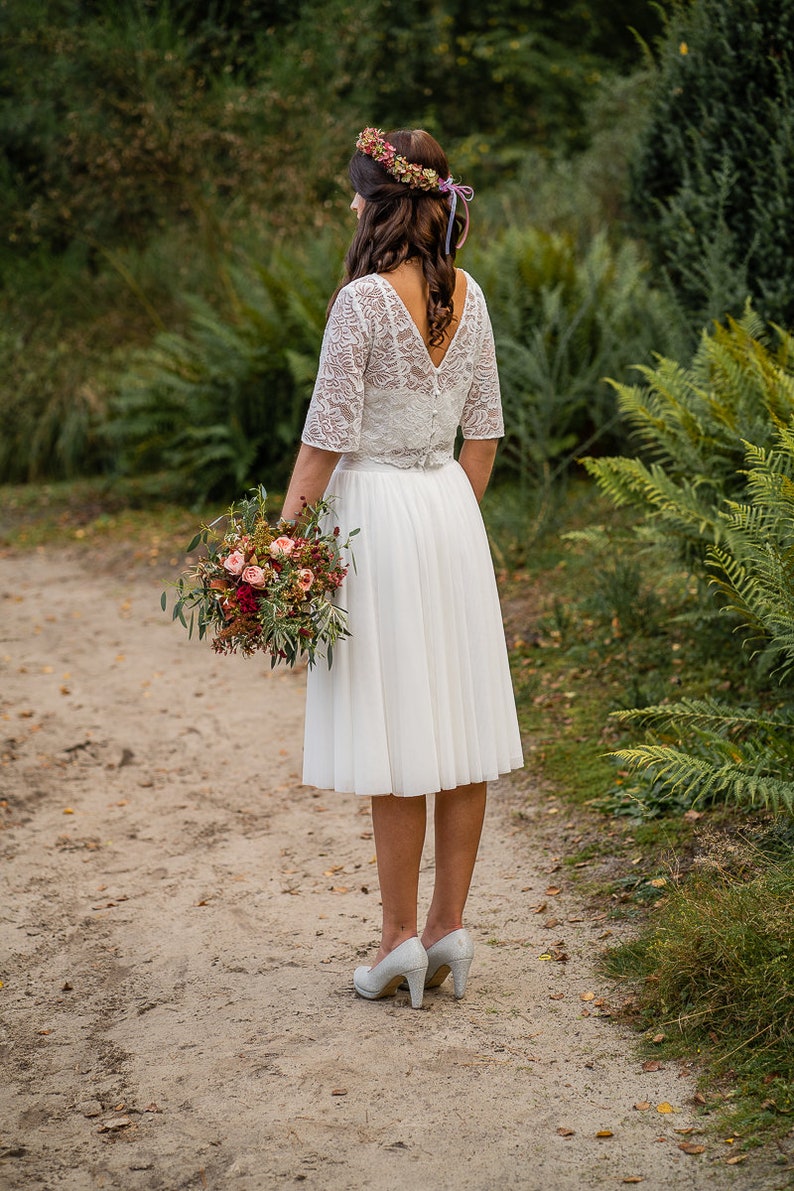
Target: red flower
x=246 y=600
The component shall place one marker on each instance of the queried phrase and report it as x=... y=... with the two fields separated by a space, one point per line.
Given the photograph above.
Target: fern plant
x=221 y=405
x=754 y=570
x=692 y=426
x=707 y=750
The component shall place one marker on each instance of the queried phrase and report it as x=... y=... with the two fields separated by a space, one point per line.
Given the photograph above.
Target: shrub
x=713 y=177
x=222 y=405
x=562 y=322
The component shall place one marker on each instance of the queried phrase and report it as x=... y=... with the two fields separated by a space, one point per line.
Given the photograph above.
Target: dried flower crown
x=373 y=144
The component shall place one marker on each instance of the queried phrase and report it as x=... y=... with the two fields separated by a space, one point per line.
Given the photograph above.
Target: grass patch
x=714 y=971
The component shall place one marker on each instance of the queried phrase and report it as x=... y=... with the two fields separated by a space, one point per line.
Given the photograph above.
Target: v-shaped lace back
x=378 y=394
x=456 y=324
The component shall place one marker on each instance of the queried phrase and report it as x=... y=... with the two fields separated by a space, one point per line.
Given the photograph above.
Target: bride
x=419 y=699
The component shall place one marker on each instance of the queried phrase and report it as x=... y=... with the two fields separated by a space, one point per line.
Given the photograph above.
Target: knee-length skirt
x=419 y=697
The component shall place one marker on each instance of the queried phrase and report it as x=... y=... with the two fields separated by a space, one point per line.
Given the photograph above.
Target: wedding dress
x=419 y=698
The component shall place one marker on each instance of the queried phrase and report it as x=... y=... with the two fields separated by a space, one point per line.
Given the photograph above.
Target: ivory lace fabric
x=380 y=396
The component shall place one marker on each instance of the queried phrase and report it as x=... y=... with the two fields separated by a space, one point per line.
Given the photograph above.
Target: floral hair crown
x=373 y=144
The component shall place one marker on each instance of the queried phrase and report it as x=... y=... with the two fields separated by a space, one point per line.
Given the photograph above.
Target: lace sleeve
x=482 y=412
x=333 y=421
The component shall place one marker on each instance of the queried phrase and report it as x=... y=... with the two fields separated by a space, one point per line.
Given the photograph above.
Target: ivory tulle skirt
x=419 y=698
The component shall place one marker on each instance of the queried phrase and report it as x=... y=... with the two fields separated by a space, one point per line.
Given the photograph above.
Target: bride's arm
x=310 y=477
x=476 y=458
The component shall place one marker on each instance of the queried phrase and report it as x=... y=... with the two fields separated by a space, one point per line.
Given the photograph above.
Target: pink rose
x=282 y=545
x=254 y=577
x=305 y=578
x=234 y=563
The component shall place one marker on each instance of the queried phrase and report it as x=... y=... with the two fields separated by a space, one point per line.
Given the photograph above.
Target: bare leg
x=458 y=819
x=399 y=826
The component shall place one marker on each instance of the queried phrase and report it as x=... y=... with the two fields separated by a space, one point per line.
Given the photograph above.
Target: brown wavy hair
x=401 y=222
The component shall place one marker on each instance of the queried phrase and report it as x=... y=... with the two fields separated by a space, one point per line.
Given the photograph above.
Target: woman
x=418 y=700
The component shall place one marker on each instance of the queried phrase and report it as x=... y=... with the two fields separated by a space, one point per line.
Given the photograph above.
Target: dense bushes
x=223 y=403
x=713 y=182
x=562 y=323
x=221 y=406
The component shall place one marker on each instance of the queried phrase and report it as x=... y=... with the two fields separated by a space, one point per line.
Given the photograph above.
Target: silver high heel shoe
x=407 y=962
x=454 y=954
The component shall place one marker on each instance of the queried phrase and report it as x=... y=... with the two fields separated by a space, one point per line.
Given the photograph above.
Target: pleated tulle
x=419 y=698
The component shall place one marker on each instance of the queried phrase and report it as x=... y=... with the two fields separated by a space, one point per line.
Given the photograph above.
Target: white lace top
x=379 y=395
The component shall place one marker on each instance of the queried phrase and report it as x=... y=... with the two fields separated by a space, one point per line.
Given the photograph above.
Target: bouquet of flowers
x=266 y=588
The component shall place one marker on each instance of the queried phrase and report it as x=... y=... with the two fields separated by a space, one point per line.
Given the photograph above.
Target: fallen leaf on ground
x=339 y=1092
x=564 y=1132
x=539 y=909
x=642 y=1105
x=664 y=1107
x=588 y=996
x=657 y=1038
x=556 y=996
x=689 y=1147
x=634 y=1178
x=553 y=890
x=735 y=1160
x=685 y=1132
x=605 y=1133
x=652 y=1065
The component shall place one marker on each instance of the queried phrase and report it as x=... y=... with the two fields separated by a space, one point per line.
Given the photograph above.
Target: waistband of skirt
x=363 y=463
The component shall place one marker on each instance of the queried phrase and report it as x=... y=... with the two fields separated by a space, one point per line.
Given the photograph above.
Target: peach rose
x=234 y=563
x=305 y=578
x=282 y=545
x=254 y=577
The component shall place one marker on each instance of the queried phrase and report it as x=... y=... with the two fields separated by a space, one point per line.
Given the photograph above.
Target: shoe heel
x=416 y=986
x=460 y=974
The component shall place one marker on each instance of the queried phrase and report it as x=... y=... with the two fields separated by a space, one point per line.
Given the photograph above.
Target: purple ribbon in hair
x=465 y=194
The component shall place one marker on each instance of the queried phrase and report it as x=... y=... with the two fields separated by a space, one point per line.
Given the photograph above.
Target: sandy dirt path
x=179 y=923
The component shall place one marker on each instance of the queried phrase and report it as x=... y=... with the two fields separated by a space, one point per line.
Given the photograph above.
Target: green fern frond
x=706 y=714
x=704 y=780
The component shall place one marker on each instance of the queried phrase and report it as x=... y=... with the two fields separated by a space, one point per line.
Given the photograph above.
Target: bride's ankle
x=391 y=940
x=439 y=930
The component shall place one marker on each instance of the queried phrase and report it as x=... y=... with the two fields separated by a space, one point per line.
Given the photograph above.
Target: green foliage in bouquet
x=265 y=588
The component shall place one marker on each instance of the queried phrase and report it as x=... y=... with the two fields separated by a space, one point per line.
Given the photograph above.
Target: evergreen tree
x=713 y=181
